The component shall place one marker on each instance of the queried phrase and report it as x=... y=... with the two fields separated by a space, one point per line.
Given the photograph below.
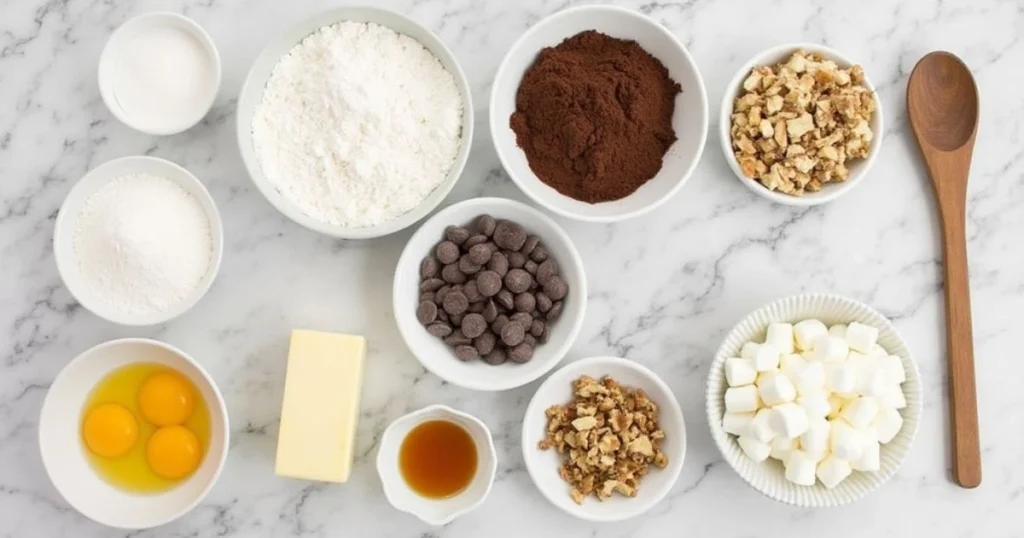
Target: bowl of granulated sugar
x=138 y=240
x=374 y=141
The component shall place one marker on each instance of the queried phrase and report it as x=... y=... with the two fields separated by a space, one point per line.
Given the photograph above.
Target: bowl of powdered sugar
x=138 y=240
x=355 y=123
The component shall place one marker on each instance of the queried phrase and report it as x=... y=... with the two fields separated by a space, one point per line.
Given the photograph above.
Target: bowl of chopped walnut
x=604 y=439
x=800 y=124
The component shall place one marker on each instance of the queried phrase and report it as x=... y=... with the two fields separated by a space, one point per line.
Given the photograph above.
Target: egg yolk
x=173 y=452
x=110 y=430
x=166 y=399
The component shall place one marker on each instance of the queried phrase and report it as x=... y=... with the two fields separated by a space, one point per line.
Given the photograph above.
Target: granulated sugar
x=358 y=124
x=143 y=244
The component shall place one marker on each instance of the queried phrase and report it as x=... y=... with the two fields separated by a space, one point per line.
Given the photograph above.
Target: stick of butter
x=321 y=406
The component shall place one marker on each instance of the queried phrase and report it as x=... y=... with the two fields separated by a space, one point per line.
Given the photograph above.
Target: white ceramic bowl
x=67 y=218
x=436 y=511
x=543 y=465
x=690 y=119
x=252 y=94
x=858 y=168
x=63 y=452
x=122 y=38
x=438 y=357
x=769 y=477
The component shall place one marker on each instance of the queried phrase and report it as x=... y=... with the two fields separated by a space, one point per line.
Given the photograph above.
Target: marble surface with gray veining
x=664 y=288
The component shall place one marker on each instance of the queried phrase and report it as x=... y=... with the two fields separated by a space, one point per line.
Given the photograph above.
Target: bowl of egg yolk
x=133 y=433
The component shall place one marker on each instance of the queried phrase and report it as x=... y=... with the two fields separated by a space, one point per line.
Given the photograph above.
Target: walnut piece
x=797 y=123
x=608 y=436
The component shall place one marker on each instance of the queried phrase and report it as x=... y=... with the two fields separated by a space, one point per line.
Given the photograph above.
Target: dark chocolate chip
x=455 y=302
x=457 y=318
x=499 y=323
x=474 y=241
x=512 y=334
x=544 y=335
x=516 y=260
x=530 y=244
x=547 y=269
x=522 y=318
x=518 y=281
x=427 y=296
x=466 y=352
x=556 y=310
x=509 y=235
x=521 y=353
x=539 y=254
x=480 y=254
x=457 y=339
x=490 y=311
x=447 y=252
x=473 y=325
x=443 y=316
x=452 y=275
x=498 y=263
x=426 y=312
x=543 y=302
x=496 y=356
x=556 y=288
x=472 y=291
x=530 y=266
x=456 y=234
x=505 y=299
x=537 y=328
x=530 y=340
x=439 y=329
x=484 y=343
x=467 y=266
x=485 y=224
x=431 y=284
x=525 y=302
x=429 y=267
x=488 y=283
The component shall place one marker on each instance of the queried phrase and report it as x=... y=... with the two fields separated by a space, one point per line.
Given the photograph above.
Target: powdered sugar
x=143 y=244
x=358 y=124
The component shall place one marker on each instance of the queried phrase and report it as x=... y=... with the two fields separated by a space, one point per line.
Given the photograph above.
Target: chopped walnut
x=799 y=121
x=608 y=436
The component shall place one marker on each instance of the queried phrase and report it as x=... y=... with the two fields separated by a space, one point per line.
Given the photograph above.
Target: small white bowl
x=768 y=477
x=830 y=191
x=543 y=465
x=439 y=358
x=690 y=119
x=256 y=81
x=63 y=452
x=436 y=511
x=122 y=38
x=67 y=218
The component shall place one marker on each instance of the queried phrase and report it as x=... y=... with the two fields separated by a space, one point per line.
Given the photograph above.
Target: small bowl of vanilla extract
x=437 y=463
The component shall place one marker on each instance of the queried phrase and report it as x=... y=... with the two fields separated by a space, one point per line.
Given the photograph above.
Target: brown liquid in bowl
x=438 y=459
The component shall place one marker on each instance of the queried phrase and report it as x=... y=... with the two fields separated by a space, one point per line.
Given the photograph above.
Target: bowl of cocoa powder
x=599 y=113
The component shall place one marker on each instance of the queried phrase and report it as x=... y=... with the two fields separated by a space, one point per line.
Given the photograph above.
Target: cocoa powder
x=594 y=116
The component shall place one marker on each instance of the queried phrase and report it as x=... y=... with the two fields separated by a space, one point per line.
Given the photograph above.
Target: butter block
x=321 y=406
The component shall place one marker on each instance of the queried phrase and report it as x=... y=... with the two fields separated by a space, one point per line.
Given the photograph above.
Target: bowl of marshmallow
x=814 y=400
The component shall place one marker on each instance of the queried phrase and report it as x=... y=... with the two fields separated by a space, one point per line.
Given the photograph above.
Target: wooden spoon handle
x=962 y=391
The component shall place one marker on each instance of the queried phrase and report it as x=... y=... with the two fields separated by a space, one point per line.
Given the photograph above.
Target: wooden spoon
x=942 y=101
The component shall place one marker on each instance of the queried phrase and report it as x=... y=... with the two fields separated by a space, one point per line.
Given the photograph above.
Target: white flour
x=142 y=243
x=357 y=124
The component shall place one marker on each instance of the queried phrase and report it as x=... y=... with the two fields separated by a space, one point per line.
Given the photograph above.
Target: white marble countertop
x=664 y=288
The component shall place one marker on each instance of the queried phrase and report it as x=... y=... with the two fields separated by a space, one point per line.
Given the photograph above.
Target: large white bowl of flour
x=347 y=123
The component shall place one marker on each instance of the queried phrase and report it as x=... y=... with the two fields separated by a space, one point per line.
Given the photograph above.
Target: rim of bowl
x=577 y=267
x=829 y=192
x=221 y=409
x=718 y=434
x=243 y=127
x=534 y=409
x=685 y=178
x=107 y=92
x=388 y=437
x=62 y=226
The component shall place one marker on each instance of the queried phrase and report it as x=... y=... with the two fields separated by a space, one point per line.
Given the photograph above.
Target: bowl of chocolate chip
x=489 y=294
x=598 y=113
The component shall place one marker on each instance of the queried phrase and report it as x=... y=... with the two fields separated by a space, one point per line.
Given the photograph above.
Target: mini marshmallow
x=749 y=350
x=754 y=449
x=789 y=420
x=870 y=460
x=816 y=405
x=846 y=442
x=870 y=377
x=781 y=447
x=878 y=351
x=761 y=426
x=792 y=364
x=737 y=423
x=893 y=368
x=739 y=372
x=811 y=380
x=836 y=403
x=832 y=471
x=777 y=389
x=815 y=440
x=892 y=397
x=860 y=413
x=828 y=349
x=800 y=468
x=840 y=377
x=806 y=331
x=887 y=424
x=767 y=358
x=742 y=399
x=861 y=337
x=838 y=330
x=781 y=336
